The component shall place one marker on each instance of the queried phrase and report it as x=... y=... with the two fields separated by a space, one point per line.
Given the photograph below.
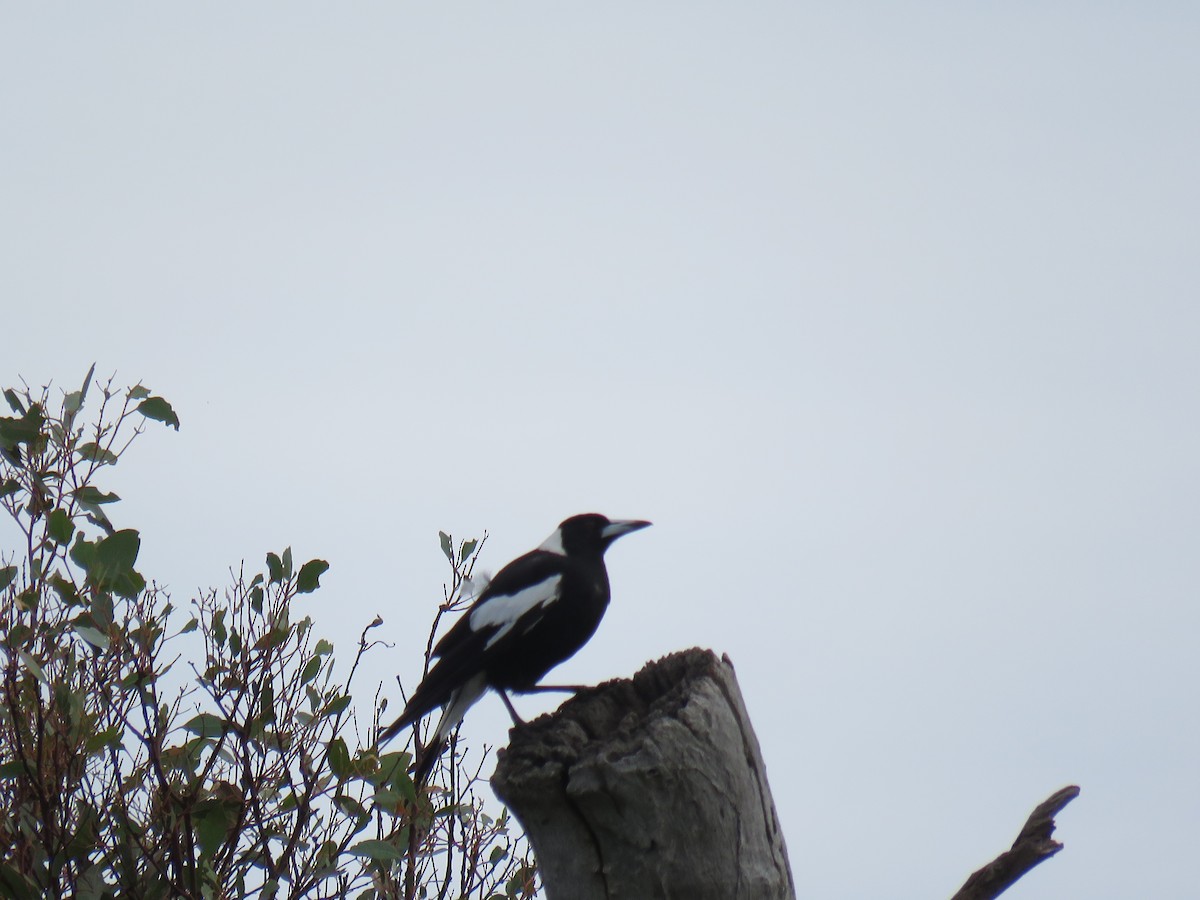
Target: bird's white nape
x=553 y=544
x=502 y=611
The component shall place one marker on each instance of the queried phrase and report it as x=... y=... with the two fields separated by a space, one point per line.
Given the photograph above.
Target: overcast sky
x=888 y=316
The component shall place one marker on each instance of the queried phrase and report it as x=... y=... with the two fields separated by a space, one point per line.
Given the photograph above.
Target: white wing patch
x=504 y=610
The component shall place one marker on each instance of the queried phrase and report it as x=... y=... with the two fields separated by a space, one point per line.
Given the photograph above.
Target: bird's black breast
x=558 y=629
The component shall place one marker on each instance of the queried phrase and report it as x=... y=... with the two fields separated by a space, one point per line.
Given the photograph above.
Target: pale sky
x=887 y=316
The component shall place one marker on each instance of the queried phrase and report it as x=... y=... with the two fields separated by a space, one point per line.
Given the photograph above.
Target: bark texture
x=650 y=787
x=1033 y=845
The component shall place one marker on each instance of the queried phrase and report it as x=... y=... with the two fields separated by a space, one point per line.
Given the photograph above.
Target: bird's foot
x=556 y=689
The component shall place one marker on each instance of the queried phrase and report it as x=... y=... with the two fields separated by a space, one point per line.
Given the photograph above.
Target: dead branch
x=1033 y=845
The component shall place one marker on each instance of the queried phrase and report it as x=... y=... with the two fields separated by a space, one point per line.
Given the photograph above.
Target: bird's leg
x=512 y=710
x=556 y=689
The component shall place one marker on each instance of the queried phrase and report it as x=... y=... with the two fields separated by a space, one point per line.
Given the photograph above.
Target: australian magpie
x=536 y=612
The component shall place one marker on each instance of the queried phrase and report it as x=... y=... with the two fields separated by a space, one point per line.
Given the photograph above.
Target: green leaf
x=73 y=402
x=266 y=706
x=32 y=665
x=446 y=548
x=14 y=402
x=93 y=452
x=256 y=598
x=207 y=725
x=393 y=767
x=309 y=578
x=138 y=392
x=112 y=564
x=287 y=562
x=82 y=552
x=213 y=819
x=380 y=851
x=100 y=520
x=65 y=590
x=339 y=758
x=16 y=885
x=101 y=609
x=276 y=637
x=23 y=430
x=275 y=568
x=68 y=702
x=59 y=526
x=519 y=884
x=323 y=648
x=468 y=547
x=110 y=737
x=7 y=574
x=336 y=706
x=91 y=884
x=159 y=409
x=311 y=669
x=184 y=757
x=389 y=801
x=91 y=498
x=218 y=628
x=192 y=625
x=349 y=805
x=10 y=486
x=119 y=550
x=12 y=769
x=96 y=638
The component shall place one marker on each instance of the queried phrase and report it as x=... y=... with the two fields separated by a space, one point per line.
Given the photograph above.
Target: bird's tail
x=460 y=701
x=395 y=728
x=426 y=761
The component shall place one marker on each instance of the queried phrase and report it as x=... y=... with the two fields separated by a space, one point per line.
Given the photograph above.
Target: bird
x=535 y=613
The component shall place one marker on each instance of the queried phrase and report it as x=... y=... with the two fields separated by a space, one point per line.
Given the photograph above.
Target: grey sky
x=887 y=316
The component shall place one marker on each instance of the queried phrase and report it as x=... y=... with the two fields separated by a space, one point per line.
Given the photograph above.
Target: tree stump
x=650 y=787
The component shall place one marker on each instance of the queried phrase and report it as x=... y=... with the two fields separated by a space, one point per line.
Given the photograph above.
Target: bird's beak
x=614 y=530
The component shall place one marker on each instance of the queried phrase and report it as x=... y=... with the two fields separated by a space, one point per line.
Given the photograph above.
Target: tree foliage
x=213 y=751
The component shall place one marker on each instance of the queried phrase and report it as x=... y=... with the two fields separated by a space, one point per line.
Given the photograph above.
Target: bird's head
x=589 y=534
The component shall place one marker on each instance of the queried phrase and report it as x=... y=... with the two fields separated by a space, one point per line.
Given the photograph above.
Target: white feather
x=553 y=544
x=504 y=610
x=460 y=701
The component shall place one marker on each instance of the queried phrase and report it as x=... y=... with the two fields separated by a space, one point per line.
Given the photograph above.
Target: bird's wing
x=516 y=596
x=512 y=603
x=501 y=613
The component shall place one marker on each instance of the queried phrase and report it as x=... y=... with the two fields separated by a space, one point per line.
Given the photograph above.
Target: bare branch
x=1034 y=845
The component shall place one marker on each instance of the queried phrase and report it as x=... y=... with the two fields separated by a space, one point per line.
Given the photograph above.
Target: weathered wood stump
x=650 y=787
